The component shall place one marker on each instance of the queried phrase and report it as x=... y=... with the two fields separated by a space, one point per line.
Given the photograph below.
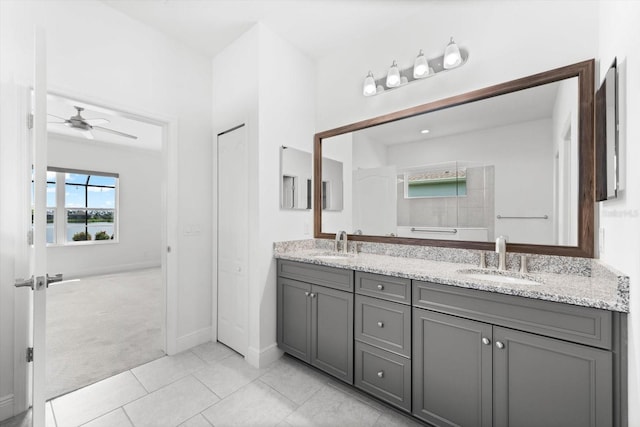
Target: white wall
x=505 y=44
x=139 y=208
x=619 y=36
x=262 y=80
x=98 y=54
x=522 y=155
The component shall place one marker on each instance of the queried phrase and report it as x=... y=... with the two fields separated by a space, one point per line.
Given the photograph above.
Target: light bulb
x=420 y=66
x=369 y=87
x=393 y=76
x=452 y=56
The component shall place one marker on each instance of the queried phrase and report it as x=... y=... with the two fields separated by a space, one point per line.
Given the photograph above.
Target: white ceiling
x=314 y=26
x=149 y=135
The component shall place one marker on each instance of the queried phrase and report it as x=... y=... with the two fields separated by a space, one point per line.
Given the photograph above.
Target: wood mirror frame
x=586 y=203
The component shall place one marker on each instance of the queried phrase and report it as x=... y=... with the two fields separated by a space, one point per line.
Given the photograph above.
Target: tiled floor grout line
x=126 y=414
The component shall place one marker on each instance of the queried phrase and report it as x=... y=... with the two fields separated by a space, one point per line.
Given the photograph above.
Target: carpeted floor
x=100 y=326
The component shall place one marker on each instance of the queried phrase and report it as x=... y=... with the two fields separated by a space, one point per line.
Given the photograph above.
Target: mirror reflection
x=506 y=165
x=295 y=178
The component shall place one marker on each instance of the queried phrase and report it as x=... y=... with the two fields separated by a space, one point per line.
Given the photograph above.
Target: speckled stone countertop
x=577 y=281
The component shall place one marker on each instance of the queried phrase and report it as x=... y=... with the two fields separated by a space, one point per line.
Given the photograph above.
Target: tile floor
x=210 y=385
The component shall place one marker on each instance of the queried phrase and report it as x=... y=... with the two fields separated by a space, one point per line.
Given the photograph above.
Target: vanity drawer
x=385 y=375
x=384 y=324
x=386 y=287
x=583 y=325
x=336 y=278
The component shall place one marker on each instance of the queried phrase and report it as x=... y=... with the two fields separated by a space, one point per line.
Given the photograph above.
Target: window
x=81 y=206
x=440 y=182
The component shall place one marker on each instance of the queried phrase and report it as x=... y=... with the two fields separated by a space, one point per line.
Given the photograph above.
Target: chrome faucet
x=339 y=236
x=501 y=250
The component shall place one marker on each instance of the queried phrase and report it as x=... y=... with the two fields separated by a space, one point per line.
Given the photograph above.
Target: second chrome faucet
x=501 y=250
x=339 y=236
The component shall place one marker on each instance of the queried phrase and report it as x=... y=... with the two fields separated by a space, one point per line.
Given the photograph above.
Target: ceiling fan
x=85 y=126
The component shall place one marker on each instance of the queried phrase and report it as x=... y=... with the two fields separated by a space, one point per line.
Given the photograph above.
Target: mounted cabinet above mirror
x=515 y=159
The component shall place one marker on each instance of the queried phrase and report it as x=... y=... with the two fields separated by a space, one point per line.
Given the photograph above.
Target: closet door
x=233 y=239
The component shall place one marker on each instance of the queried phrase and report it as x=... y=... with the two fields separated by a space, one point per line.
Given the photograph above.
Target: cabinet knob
x=381 y=374
x=380 y=324
x=486 y=341
x=306 y=293
x=380 y=286
x=500 y=345
x=312 y=295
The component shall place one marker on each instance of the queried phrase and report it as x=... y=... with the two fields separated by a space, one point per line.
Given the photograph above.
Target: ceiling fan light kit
x=86 y=126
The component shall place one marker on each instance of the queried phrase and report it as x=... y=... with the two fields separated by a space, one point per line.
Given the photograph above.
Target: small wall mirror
x=607 y=136
x=295 y=178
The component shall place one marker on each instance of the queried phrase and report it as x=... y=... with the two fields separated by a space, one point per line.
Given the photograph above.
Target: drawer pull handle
x=312 y=295
x=381 y=374
x=306 y=293
x=380 y=324
x=500 y=345
x=380 y=286
x=486 y=341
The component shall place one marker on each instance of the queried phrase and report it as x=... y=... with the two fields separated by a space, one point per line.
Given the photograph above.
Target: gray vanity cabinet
x=315 y=316
x=383 y=338
x=452 y=370
x=471 y=371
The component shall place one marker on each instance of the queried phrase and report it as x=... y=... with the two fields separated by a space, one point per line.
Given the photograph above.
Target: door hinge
x=29 y=354
x=30 y=121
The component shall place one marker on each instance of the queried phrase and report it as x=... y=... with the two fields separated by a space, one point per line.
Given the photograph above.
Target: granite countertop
x=599 y=287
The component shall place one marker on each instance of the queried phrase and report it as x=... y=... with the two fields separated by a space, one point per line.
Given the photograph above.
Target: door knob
x=486 y=341
x=380 y=324
x=500 y=345
x=306 y=293
x=380 y=286
x=312 y=295
x=381 y=374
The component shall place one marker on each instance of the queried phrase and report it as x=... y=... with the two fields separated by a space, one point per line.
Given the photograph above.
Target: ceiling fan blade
x=87 y=134
x=99 y=121
x=57 y=117
x=115 y=132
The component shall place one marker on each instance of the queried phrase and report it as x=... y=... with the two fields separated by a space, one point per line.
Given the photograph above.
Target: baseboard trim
x=6 y=407
x=266 y=356
x=193 y=339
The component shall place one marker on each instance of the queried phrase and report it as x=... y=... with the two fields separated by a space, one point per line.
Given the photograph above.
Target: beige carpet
x=100 y=326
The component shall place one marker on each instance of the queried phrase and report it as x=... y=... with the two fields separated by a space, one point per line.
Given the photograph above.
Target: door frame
x=169 y=232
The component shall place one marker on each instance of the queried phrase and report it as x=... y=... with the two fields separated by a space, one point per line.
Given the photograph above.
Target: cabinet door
x=452 y=378
x=332 y=332
x=294 y=318
x=541 y=381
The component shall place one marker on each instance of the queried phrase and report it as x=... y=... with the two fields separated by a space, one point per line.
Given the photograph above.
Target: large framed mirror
x=515 y=160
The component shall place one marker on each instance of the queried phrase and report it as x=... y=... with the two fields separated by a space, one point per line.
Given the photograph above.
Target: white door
x=34 y=263
x=375 y=201
x=233 y=239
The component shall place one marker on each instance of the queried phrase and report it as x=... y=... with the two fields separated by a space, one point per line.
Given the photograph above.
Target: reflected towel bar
x=523 y=217
x=434 y=230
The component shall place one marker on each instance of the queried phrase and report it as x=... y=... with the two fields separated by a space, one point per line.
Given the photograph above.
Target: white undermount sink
x=507 y=277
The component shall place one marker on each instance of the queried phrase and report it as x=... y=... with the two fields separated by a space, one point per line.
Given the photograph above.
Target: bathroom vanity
x=433 y=340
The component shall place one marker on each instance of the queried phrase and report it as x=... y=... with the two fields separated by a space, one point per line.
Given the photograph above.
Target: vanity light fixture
x=453 y=57
x=421 y=66
x=393 y=75
x=369 y=87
